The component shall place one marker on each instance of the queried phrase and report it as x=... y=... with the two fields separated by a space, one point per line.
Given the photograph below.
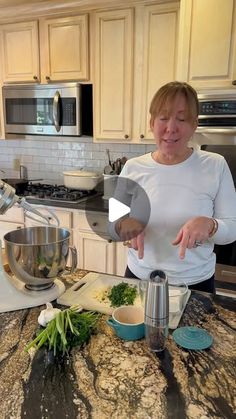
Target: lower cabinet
x=12 y=220
x=96 y=250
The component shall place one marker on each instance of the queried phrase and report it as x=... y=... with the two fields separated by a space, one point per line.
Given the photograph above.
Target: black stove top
x=49 y=194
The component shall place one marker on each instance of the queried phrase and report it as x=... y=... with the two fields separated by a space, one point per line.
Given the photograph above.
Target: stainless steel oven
x=217 y=112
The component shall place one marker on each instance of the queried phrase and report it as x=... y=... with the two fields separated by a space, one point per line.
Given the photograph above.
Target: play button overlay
x=116 y=210
x=121 y=199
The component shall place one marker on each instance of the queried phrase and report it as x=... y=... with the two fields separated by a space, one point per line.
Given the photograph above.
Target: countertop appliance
x=48 y=109
x=217 y=112
x=14 y=294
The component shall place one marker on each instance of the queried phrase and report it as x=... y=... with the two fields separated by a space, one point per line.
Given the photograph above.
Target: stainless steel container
x=156 y=317
x=37 y=255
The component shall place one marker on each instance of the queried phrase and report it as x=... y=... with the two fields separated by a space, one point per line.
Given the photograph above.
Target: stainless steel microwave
x=217 y=112
x=62 y=109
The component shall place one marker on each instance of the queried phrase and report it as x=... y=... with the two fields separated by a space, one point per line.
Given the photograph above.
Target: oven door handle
x=217 y=130
x=56 y=111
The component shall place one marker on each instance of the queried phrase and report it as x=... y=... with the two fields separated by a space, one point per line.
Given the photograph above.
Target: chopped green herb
x=122 y=294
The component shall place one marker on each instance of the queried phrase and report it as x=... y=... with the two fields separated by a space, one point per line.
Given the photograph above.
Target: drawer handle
x=95 y=224
x=109 y=241
x=229 y=273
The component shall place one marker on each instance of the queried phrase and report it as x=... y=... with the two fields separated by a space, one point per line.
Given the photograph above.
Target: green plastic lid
x=193 y=338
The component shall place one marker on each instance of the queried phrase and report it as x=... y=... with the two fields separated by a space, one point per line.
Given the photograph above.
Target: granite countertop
x=110 y=378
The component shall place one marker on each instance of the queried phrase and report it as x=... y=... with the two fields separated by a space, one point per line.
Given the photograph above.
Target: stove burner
x=59 y=193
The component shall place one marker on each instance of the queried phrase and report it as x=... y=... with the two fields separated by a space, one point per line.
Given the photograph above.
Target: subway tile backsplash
x=48 y=158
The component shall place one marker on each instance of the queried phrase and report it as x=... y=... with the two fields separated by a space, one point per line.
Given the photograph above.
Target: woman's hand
x=132 y=232
x=196 y=230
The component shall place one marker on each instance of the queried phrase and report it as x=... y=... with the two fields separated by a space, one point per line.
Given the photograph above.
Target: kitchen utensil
x=157 y=311
x=109 y=157
x=179 y=295
x=37 y=255
x=80 y=179
x=128 y=322
x=193 y=338
x=14 y=295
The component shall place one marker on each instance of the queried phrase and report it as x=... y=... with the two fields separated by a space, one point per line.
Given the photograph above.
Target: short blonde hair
x=168 y=92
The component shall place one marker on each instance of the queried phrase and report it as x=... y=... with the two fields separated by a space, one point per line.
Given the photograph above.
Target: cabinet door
x=6 y=228
x=113 y=74
x=159 y=56
x=207 y=48
x=121 y=258
x=20 y=52
x=96 y=254
x=64 y=43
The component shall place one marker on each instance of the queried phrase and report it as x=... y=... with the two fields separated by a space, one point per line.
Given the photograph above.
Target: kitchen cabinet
x=20 y=52
x=135 y=53
x=64 y=44
x=121 y=258
x=207 y=43
x=96 y=250
x=46 y=50
x=113 y=74
x=12 y=220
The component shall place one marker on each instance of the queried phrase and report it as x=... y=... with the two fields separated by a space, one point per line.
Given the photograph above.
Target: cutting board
x=89 y=291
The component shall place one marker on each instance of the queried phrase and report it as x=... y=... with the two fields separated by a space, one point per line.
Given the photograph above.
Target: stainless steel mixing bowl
x=37 y=255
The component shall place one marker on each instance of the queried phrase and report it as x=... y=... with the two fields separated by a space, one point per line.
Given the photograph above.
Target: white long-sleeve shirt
x=202 y=185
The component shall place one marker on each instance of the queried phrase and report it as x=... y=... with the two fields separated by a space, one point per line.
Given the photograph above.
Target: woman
x=191 y=193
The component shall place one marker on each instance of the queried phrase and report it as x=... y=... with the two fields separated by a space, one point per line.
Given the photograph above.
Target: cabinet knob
x=141 y=136
x=47 y=78
x=95 y=224
x=126 y=136
x=234 y=82
x=35 y=78
x=109 y=241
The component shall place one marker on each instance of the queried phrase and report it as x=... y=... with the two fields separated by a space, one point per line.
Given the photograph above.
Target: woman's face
x=172 y=128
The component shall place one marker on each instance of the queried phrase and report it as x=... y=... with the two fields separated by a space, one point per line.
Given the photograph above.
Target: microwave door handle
x=56 y=111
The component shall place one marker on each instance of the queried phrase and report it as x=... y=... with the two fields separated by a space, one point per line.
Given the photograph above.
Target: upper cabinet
x=113 y=74
x=135 y=53
x=51 y=50
x=207 y=47
x=64 y=47
x=20 y=52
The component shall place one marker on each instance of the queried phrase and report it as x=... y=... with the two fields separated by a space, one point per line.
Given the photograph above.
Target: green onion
x=69 y=328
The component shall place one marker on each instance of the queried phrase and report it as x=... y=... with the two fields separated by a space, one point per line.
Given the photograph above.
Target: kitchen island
x=110 y=378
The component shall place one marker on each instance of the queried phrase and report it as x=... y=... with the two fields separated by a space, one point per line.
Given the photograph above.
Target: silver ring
x=197 y=243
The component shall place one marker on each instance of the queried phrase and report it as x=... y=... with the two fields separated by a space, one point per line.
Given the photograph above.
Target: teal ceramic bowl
x=128 y=322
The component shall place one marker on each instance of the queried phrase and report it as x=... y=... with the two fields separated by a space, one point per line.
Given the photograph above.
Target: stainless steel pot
x=37 y=255
x=82 y=180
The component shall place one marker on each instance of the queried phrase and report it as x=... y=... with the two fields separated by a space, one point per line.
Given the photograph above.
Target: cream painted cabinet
x=45 y=50
x=157 y=24
x=121 y=258
x=207 y=44
x=113 y=74
x=64 y=47
x=96 y=250
x=19 y=52
x=135 y=53
x=12 y=220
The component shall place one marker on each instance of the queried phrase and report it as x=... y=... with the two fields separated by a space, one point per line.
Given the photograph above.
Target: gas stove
x=47 y=194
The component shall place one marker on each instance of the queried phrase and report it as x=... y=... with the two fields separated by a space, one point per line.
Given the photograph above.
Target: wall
x=48 y=158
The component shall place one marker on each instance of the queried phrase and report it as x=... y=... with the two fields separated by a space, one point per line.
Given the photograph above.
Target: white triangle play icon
x=117 y=209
